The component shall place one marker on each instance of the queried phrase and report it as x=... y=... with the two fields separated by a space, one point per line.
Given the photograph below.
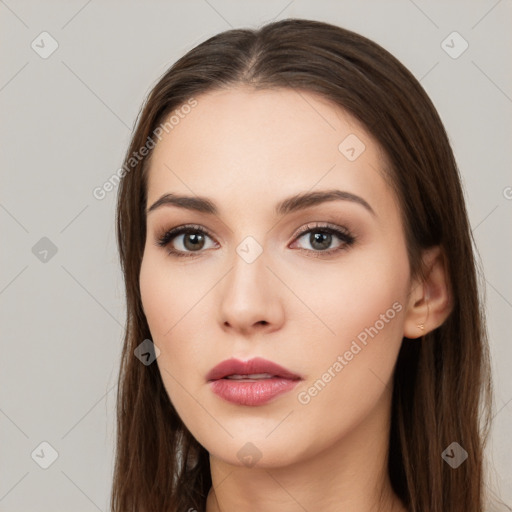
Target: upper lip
x=252 y=366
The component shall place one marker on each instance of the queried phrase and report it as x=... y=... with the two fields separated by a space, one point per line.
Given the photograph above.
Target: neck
x=350 y=475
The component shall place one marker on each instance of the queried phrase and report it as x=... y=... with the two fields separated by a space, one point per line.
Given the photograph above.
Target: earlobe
x=430 y=297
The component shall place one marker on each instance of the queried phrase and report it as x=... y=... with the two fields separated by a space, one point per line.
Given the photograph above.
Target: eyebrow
x=285 y=207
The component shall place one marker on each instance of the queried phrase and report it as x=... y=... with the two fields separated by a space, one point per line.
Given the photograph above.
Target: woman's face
x=270 y=282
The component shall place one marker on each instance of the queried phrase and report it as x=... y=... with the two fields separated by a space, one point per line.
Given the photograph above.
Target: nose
x=250 y=299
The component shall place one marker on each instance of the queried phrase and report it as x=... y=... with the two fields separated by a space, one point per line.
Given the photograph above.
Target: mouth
x=255 y=369
x=251 y=383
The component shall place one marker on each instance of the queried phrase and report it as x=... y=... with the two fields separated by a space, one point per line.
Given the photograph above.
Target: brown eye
x=184 y=241
x=321 y=238
x=193 y=241
x=320 y=241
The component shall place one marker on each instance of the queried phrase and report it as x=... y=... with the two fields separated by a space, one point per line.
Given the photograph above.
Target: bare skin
x=246 y=151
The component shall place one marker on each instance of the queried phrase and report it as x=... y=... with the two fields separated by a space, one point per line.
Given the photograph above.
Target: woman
x=298 y=259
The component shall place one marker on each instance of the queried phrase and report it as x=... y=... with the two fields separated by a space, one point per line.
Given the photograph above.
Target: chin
x=257 y=453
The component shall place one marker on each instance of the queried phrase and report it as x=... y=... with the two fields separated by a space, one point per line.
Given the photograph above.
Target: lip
x=251 y=392
x=256 y=365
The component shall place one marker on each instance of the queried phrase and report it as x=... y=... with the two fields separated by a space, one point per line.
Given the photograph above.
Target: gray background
x=66 y=123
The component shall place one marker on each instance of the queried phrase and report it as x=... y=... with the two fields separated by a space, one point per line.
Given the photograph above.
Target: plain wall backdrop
x=73 y=77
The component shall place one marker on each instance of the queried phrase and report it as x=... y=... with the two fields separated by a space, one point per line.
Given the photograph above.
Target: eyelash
x=343 y=234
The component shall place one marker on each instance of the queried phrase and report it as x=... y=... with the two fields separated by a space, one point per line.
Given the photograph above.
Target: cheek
x=156 y=295
x=352 y=294
x=166 y=293
x=364 y=305
x=175 y=308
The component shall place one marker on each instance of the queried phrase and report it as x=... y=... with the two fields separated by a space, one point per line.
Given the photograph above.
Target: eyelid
x=321 y=225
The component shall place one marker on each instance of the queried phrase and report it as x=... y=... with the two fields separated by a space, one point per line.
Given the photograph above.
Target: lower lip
x=251 y=392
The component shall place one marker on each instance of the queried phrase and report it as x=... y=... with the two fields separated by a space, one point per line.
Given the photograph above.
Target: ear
x=430 y=300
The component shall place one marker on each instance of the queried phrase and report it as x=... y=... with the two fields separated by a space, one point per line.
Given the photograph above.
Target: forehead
x=255 y=145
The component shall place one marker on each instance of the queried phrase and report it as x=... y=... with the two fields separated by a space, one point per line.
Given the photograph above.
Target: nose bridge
x=248 y=276
x=248 y=296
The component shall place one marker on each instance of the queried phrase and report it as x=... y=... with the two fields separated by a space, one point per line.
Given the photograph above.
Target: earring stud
x=421 y=326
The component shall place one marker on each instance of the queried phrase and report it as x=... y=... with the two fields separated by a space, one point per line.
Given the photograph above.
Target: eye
x=189 y=239
x=320 y=238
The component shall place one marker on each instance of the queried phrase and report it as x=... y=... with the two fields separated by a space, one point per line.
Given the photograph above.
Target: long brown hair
x=442 y=387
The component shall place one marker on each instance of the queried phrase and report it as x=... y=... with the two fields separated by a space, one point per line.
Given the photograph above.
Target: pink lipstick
x=253 y=382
